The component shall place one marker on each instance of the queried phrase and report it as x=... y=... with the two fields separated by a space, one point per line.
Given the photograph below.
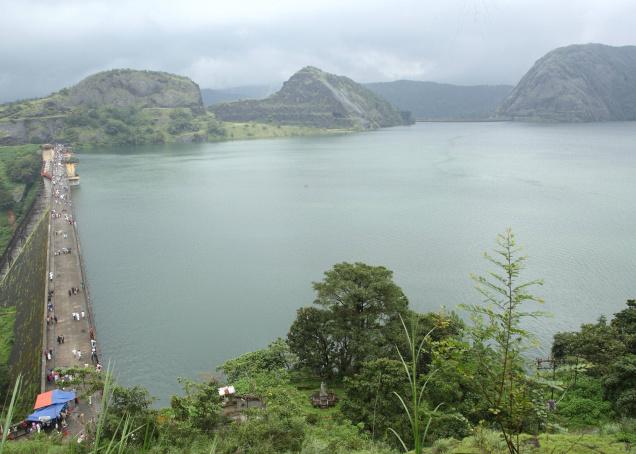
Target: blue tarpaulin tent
x=57 y=396
x=47 y=413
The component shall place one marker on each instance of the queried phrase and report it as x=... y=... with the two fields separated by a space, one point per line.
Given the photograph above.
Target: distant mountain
x=312 y=97
x=589 y=82
x=435 y=101
x=117 y=106
x=217 y=96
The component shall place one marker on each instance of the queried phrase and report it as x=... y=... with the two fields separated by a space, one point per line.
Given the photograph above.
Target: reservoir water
x=198 y=253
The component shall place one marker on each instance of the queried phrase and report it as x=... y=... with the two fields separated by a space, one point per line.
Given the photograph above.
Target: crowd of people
x=61 y=212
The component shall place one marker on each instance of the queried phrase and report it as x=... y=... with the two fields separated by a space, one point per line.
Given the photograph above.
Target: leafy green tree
x=311 y=339
x=134 y=405
x=624 y=322
x=200 y=407
x=498 y=340
x=620 y=385
x=599 y=343
x=24 y=169
x=370 y=398
x=359 y=301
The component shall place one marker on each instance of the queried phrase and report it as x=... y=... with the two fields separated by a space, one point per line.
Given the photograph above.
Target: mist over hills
x=437 y=101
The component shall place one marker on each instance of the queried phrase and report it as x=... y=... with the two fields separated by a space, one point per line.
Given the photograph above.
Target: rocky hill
x=435 y=101
x=117 y=106
x=312 y=97
x=590 y=82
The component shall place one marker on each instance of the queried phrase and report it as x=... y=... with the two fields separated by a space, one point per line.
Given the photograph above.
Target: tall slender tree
x=498 y=339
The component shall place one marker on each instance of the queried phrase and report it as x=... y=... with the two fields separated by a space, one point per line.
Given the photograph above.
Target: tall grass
x=417 y=392
x=8 y=417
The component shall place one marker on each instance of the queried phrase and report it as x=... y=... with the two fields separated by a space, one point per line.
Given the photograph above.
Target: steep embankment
x=23 y=291
x=590 y=82
x=435 y=101
x=118 y=106
x=314 y=98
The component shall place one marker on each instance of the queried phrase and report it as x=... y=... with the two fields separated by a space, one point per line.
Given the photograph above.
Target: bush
x=444 y=445
x=452 y=425
x=584 y=405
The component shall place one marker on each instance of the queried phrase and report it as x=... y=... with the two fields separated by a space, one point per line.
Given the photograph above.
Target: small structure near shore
x=233 y=405
x=323 y=398
x=70 y=161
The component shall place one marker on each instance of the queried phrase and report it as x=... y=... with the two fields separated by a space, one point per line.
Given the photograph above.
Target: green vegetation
x=22 y=290
x=422 y=383
x=19 y=170
x=145 y=107
x=7 y=320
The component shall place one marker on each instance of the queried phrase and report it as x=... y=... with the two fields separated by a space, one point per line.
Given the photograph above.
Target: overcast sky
x=46 y=45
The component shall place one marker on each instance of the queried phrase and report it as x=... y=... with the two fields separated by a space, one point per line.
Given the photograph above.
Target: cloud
x=46 y=45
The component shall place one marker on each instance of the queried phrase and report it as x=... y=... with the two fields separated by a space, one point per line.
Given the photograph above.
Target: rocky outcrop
x=435 y=101
x=62 y=116
x=30 y=130
x=590 y=82
x=312 y=97
x=130 y=88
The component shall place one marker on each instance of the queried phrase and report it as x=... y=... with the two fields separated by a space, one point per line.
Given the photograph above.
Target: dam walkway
x=69 y=338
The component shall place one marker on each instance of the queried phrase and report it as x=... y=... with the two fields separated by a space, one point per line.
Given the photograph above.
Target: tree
x=359 y=301
x=370 y=398
x=132 y=405
x=598 y=343
x=310 y=338
x=498 y=339
x=24 y=169
x=200 y=408
x=620 y=385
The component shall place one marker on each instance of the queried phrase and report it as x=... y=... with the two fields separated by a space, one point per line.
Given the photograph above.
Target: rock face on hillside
x=435 y=101
x=130 y=88
x=312 y=97
x=591 y=82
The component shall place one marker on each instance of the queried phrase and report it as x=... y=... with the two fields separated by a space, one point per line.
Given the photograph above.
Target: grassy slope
x=6 y=154
x=241 y=131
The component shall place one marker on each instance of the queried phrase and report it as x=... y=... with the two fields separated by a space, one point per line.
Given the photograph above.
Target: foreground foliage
x=405 y=381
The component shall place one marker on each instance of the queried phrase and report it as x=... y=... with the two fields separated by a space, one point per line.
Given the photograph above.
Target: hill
x=218 y=96
x=117 y=106
x=312 y=97
x=435 y=101
x=589 y=82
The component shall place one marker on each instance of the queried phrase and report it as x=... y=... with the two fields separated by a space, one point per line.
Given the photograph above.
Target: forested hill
x=435 y=101
x=312 y=97
x=117 y=106
x=590 y=82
